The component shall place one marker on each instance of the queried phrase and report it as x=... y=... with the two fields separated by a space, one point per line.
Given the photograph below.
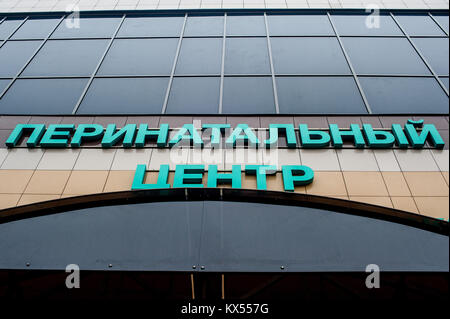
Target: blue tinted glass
x=359 y=25
x=442 y=20
x=248 y=95
x=384 y=56
x=315 y=95
x=200 y=56
x=419 y=25
x=43 y=96
x=125 y=96
x=3 y=84
x=445 y=81
x=194 y=96
x=247 y=25
x=140 y=57
x=151 y=27
x=7 y=27
x=405 y=95
x=435 y=51
x=204 y=26
x=247 y=56
x=14 y=55
x=36 y=29
x=67 y=57
x=87 y=28
x=280 y=25
x=308 y=56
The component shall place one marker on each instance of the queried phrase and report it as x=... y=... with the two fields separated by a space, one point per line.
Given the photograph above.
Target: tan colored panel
x=47 y=182
x=14 y=181
x=86 y=182
x=426 y=183
x=119 y=181
x=436 y=207
x=380 y=201
x=365 y=184
x=396 y=184
x=8 y=200
x=327 y=184
x=32 y=198
x=405 y=203
x=445 y=174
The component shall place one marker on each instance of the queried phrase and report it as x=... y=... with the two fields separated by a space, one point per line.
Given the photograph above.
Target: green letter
x=378 y=139
x=181 y=136
x=429 y=131
x=304 y=176
x=160 y=135
x=313 y=139
x=111 y=137
x=261 y=171
x=86 y=132
x=57 y=130
x=216 y=132
x=248 y=137
x=291 y=139
x=400 y=136
x=37 y=130
x=138 y=181
x=192 y=174
x=214 y=178
x=355 y=132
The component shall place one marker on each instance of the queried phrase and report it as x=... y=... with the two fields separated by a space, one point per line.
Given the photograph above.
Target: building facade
x=222 y=144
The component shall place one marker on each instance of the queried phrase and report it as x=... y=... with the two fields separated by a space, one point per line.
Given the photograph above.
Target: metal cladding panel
x=219 y=236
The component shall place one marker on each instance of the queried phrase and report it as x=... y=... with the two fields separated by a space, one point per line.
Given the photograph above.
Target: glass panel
x=419 y=25
x=3 y=84
x=151 y=27
x=194 y=96
x=87 y=28
x=360 y=25
x=436 y=52
x=36 y=29
x=247 y=56
x=308 y=56
x=405 y=95
x=445 y=81
x=14 y=55
x=200 y=56
x=204 y=26
x=8 y=26
x=248 y=95
x=125 y=96
x=384 y=56
x=315 y=95
x=43 y=96
x=442 y=20
x=247 y=25
x=67 y=57
x=288 y=25
x=140 y=57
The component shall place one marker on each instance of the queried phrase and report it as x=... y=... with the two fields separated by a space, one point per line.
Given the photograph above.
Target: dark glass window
x=419 y=25
x=140 y=57
x=247 y=56
x=14 y=55
x=404 y=95
x=194 y=96
x=365 y=25
x=319 y=95
x=43 y=96
x=445 y=81
x=436 y=52
x=204 y=26
x=384 y=56
x=129 y=95
x=247 y=95
x=248 y=25
x=8 y=26
x=3 y=84
x=87 y=28
x=36 y=29
x=200 y=56
x=151 y=27
x=442 y=20
x=291 y=25
x=67 y=57
x=308 y=56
